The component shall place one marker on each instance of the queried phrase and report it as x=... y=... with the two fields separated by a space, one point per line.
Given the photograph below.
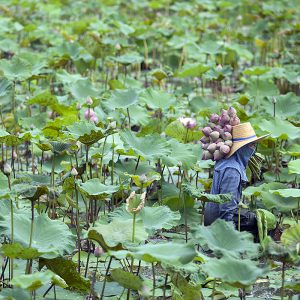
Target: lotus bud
x=231 y=112
x=224 y=119
x=212 y=148
x=113 y=125
x=14 y=155
x=219 y=144
x=206 y=155
x=143 y=178
x=207 y=131
x=214 y=135
x=234 y=121
x=219 y=140
x=205 y=139
x=98 y=251
x=7 y=169
x=78 y=106
x=204 y=146
x=214 y=118
x=89 y=100
x=74 y=172
x=94 y=119
x=211 y=125
x=217 y=128
x=227 y=136
x=218 y=155
x=228 y=143
x=224 y=149
x=227 y=128
x=89 y=113
x=118 y=46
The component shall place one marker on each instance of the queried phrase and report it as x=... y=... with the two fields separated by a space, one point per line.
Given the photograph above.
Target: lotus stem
x=77 y=227
x=239 y=219
x=154 y=283
x=165 y=286
x=52 y=170
x=104 y=282
x=133 y=227
x=102 y=154
x=282 y=280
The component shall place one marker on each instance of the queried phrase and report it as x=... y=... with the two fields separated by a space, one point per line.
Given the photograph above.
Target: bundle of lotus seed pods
x=217 y=139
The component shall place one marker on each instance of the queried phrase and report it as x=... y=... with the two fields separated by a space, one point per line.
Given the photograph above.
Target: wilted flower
x=14 y=155
x=135 y=202
x=188 y=122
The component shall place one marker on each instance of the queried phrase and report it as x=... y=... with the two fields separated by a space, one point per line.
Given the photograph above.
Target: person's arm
x=230 y=183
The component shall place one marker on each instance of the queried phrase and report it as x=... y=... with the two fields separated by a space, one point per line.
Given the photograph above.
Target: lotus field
x=112 y=116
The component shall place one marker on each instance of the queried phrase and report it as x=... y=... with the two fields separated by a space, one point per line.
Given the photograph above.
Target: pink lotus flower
x=189 y=123
x=89 y=113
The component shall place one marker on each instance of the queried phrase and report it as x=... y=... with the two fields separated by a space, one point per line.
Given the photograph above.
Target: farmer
x=230 y=174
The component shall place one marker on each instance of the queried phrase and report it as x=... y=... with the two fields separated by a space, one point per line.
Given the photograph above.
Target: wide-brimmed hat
x=242 y=135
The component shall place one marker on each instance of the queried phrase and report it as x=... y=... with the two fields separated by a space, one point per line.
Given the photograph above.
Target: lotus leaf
x=156 y=99
x=94 y=188
x=123 y=99
x=51 y=237
x=127 y=280
x=294 y=166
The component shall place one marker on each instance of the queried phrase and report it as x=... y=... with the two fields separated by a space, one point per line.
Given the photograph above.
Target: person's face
x=252 y=145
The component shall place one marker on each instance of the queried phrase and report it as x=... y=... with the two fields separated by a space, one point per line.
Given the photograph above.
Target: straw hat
x=242 y=135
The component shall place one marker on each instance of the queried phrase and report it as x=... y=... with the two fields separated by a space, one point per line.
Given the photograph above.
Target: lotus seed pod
x=214 y=118
x=89 y=100
x=234 y=121
x=227 y=136
x=206 y=155
x=204 y=146
x=89 y=113
x=228 y=143
x=207 y=131
x=218 y=155
x=214 y=135
x=205 y=139
x=98 y=251
x=227 y=128
x=231 y=112
x=212 y=148
x=224 y=149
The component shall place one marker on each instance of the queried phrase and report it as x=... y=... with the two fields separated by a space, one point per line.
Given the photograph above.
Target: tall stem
x=282 y=280
x=77 y=227
x=154 y=283
x=133 y=227
x=104 y=282
x=52 y=170
x=102 y=154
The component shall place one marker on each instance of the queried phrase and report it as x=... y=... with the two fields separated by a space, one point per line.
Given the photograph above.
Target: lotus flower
x=94 y=119
x=98 y=251
x=212 y=148
x=224 y=149
x=189 y=123
x=207 y=131
x=89 y=101
x=206 y=155
x=74 y=172
x=231 y=112
x=214 y=135
x=234 y=121
x=214 y=118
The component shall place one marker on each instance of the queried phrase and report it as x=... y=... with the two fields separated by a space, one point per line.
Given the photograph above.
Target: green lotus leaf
x=5 y=87
x=128 y=59
x=169 y=253
x=282 y=204
x=122 y=99
x=14 y=140
x=159 y=74
x=30 y=192
x=294 y=166
x=127 y=280
x=16 y=250
x=15 y=69
x=67 y=270
x=193 y=70
x=279 y=129
x=291 y=237
x=203 y=105
x=15 y=293
x=115 y=84
x=235 y=271
x=177 y=131
x=205 y=197
x=95 y=188
x=116 y=233
x=223 y=239
x=157 y=99
x=262 y=88
x=265 y=187
x=256 y=71
x=36 y=62
x=159 y=217
x=266 y=221
x=83 y=88
x=150 y=147
x=294 y=193
x=185 y=155
x=34 y=281
x=51 y=237
x=86 y=132
x=144 y=180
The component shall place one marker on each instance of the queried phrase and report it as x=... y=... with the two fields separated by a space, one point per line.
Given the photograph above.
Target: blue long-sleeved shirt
x=228 y=176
